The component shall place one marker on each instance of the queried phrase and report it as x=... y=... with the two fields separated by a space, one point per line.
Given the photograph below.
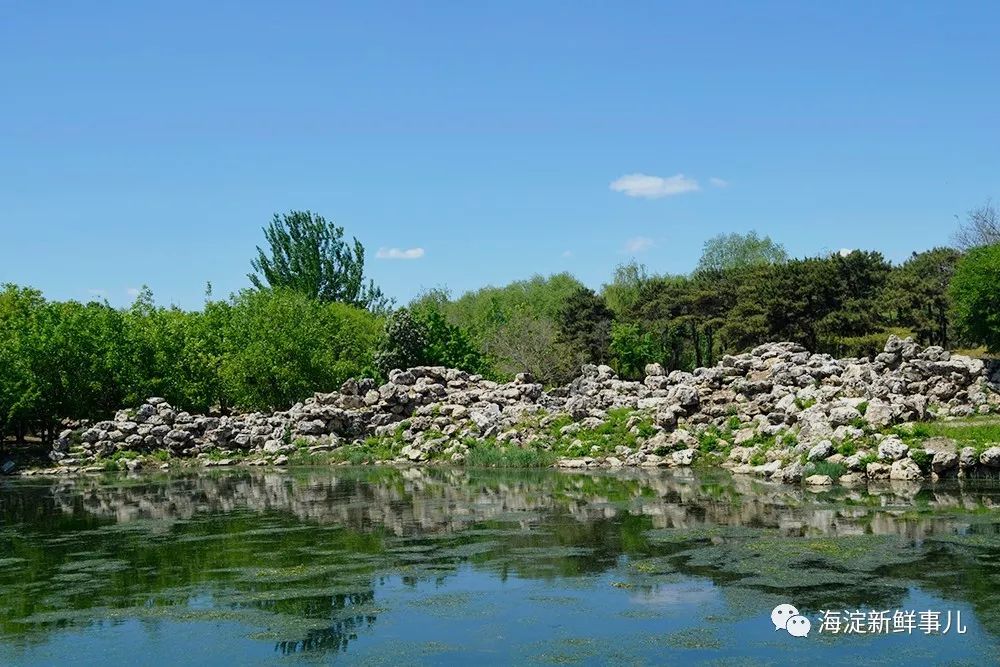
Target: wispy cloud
x=399 y=253
x=132 y=291
x=654 y=187
x=638 y=244
x=717 y=182
x=567 y=253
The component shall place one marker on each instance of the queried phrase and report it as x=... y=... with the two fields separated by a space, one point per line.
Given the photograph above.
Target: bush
x=975 y=290
x=281 y=346
x=488 y=454
x=404 y=343
x=922 y=458
x=833 y=470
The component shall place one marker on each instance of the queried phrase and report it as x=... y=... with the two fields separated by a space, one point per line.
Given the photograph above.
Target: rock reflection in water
x=302 y=555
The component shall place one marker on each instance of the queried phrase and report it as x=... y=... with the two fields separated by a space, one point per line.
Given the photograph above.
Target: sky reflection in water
x=447 y=566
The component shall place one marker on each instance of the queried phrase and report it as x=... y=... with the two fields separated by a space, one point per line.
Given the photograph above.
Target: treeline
x=260 y=349
x=844 y=304
x=312 y=320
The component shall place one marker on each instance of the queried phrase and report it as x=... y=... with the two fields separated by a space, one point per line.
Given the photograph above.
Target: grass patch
x=976 y=432
x=922 y=458
x=710 y=441
x=804 y=403
x=488 y=454
x=833 y=470
x=847 y=448
x=617 y=429
x=370 y=450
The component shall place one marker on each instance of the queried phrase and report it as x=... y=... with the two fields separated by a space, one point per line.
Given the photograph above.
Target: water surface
x=391 y=566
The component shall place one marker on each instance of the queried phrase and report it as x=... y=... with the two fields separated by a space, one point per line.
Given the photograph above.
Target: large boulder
x=892 y=449
x=905 y=469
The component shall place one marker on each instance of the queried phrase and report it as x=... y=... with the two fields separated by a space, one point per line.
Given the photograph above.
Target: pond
x=433 y=565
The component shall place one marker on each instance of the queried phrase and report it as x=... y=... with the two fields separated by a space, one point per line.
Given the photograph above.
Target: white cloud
x=638 y=244
x=654 y=187
x=399 y=253
x=132 y=291
x=718 y=182
x=844 y=252
x=567 y=253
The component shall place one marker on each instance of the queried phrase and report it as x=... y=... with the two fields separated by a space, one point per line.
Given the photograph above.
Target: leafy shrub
x=976 y=297
x=488 y=454
x=922 y=458
x=847 y=448
x=833 y=470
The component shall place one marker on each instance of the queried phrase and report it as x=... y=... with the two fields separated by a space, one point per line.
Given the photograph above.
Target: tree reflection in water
x=303 y=553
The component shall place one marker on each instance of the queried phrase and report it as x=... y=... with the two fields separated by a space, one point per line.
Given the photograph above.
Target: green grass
x=847 y=448
x=762 y=445
x=558 y=424
x=369 y=450
x=833 y=470
x=603 y=440
x=710 y=441
x=804 y=403
x=922 y=458
x=976 y=432
x=488 y=454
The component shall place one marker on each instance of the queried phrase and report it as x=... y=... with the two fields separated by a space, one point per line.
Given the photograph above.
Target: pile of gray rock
x=772 y=412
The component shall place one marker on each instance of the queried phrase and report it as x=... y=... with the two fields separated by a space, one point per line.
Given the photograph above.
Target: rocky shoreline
x=777 y=412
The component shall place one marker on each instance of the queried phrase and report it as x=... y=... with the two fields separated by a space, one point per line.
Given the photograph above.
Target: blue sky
x=147 y=143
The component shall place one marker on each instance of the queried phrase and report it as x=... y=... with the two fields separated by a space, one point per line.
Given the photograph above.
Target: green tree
x=281 y=346
x=177 y=354
x=975 y=289
x=21 y=393
x=498 y=322
x=585 y=326
x=404 y=343
x=734 y=251
x=623 y=292
x=632 y=348
x=530 y=342
x=919 y=296
x=828 y=304
x=308 y=254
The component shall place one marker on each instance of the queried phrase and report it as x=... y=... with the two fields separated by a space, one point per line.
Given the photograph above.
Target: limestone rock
x=905 y=469
x=819 y=480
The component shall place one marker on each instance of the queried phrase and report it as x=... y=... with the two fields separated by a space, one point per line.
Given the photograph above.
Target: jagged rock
x=819 y=480
x=876 y=470
x=944 y=461
x=990 y=457
x=804 y=401
x=820 y=451
x=851 y=478
x=790 y=474
x=854 y=462
x=654 y=370
x=967 y=458
x=892 y=449
x=879 y=414
x=905 y=469
x=683 y=457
